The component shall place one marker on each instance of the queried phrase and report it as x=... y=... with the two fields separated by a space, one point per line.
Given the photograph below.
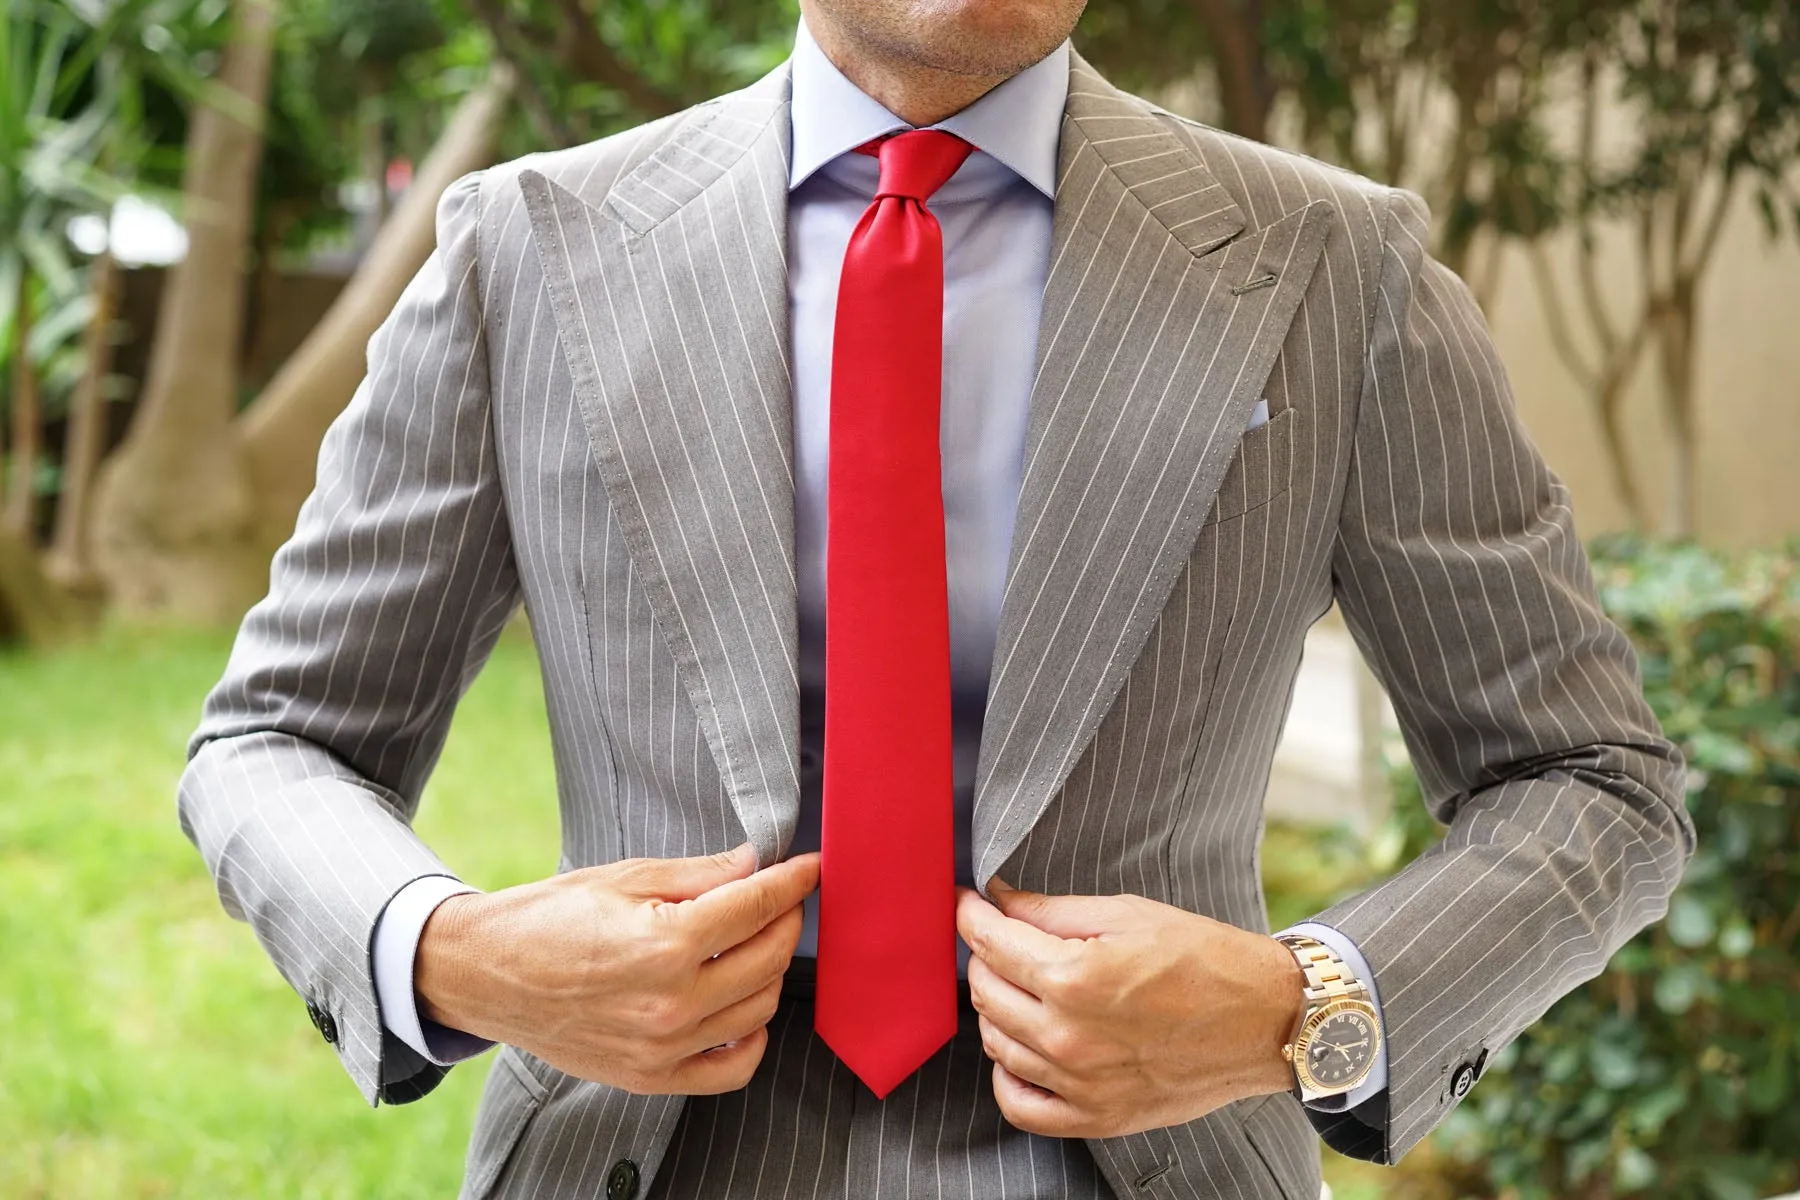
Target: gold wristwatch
x=1339 y=1034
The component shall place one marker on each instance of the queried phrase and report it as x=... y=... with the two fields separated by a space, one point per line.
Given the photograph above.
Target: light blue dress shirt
x=995 y=213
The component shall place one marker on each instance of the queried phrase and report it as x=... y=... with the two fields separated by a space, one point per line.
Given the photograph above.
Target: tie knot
x=917 y=163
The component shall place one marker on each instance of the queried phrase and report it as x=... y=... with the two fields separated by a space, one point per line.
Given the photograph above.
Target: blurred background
x=206 y=206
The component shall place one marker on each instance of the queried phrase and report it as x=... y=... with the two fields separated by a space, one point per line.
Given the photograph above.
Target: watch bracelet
x=1328 y=977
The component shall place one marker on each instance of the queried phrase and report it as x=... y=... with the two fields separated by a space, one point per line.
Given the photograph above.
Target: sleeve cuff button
x=324 y=1022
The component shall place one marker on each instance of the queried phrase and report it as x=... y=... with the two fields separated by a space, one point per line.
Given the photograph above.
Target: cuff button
x=1465 y=1079
x=324 y=1022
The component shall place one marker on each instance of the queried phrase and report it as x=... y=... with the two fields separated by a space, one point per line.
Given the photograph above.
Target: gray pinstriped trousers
x=805 y=1127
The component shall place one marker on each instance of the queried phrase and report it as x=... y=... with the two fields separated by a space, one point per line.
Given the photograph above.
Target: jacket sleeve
x=305 y=772
x=1460 y=573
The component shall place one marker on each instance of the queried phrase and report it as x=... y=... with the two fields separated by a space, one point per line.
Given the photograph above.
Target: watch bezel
x=1300 y=1048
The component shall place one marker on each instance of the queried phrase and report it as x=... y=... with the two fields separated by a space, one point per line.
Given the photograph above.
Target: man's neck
x=918 y=95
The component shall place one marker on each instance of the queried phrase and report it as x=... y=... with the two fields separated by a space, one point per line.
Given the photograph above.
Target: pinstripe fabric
x=582 y=403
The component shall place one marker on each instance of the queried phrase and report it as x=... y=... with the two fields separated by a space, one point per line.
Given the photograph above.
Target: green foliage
x=587 y=70
x=1144 y=45
x=1676 y=1073
x=151 y=1050
x=1716 y=88
x=77 y=79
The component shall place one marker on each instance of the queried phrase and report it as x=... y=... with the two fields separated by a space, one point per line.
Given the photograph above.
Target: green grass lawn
x=147 y=1047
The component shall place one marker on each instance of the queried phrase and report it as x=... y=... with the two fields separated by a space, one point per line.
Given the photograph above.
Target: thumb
x=1060 y=916
x=683 y=878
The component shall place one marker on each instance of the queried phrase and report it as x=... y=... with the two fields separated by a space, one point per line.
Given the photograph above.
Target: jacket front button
x=622 y=1181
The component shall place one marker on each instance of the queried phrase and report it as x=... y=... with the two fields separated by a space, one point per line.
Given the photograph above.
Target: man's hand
x=1108 y=1015
x=652 y=975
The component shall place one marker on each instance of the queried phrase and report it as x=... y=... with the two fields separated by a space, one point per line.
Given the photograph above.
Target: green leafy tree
x=50 y=141
x=1711 y=95
x=74 y=77
x=1441 y=98
x=587 y=69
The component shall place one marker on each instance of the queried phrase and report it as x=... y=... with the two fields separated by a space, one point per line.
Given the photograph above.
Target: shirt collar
x=1018 y=123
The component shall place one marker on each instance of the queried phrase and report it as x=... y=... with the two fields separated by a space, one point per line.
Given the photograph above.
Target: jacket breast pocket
x=1262 y=468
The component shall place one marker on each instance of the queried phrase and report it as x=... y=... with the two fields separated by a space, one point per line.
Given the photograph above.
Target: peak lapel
x=1151 y=355
x=670 y=298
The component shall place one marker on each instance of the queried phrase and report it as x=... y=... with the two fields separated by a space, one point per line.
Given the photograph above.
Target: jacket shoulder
x=1268 y=182
x=591 y=169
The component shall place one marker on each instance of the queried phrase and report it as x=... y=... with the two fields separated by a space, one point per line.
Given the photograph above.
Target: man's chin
x=989 y=38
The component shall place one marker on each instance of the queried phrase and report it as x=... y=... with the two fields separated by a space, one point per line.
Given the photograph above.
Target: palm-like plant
x=49 y=143
x=73 y=79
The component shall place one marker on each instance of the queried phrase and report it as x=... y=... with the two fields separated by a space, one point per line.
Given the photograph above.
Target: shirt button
x=622 y=1181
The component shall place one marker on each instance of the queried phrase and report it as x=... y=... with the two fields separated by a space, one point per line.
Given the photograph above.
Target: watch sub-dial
x=1341 y=1049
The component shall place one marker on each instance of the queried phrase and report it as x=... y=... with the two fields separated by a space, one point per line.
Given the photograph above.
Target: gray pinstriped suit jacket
x=582 y=402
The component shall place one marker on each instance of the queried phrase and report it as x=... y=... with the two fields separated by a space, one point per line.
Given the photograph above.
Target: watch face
x=1341 y=1049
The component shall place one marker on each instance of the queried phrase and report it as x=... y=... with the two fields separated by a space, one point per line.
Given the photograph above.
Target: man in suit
x=1048 y=422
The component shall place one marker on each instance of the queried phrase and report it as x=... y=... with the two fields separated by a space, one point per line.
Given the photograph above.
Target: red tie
x=886 y=992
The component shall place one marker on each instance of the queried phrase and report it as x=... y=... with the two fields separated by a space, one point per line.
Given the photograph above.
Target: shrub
x=1676 y=1073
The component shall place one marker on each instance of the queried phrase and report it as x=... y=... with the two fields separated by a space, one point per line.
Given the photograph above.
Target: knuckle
x=1073 y=981
x=652 y=964
x=1060 y=1044
x=772 y=899
x=663 y=1016
x=753 y=1048
x=1009 y=1108
x=627 y=873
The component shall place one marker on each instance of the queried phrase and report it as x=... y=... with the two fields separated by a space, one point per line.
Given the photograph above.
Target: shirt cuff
x=1376 y=1081
x=397 y=935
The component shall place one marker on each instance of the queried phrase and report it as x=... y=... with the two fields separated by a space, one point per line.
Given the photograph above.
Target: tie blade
x=884 y=1054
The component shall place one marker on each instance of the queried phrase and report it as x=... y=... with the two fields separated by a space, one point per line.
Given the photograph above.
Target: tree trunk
x=71 y=561
x=31 y=609
x=1675 y=344
x=1609 y=398
x=372 y=158
x=280 y=433
x=27 y=424
x=174 y=508
x=1246 y=90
